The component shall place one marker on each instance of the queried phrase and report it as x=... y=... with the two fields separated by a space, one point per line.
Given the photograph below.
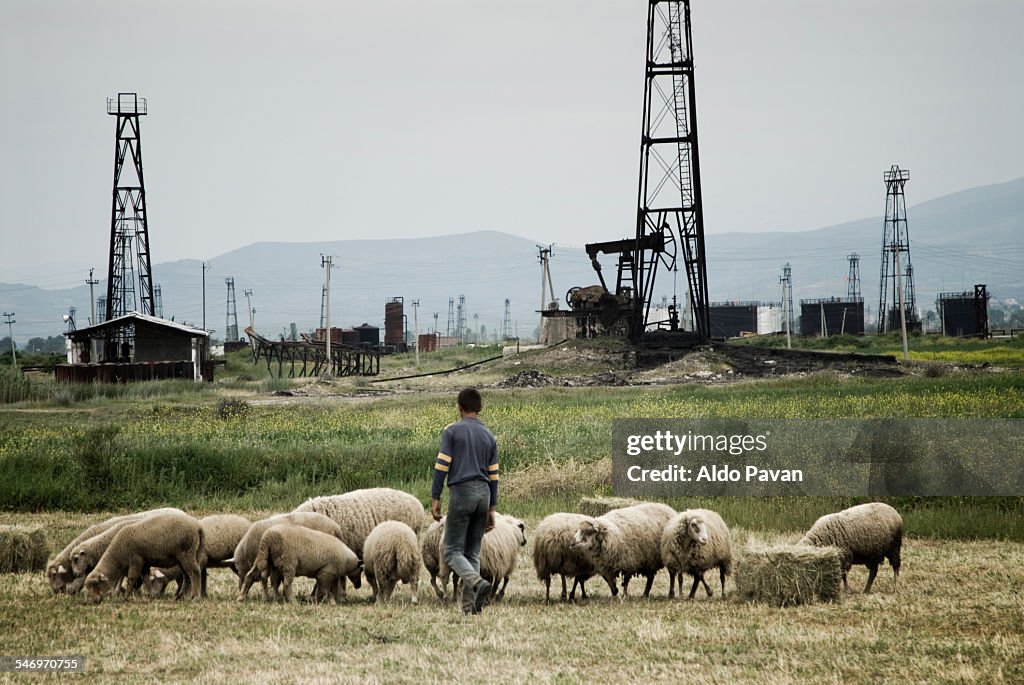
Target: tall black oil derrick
x=506 y=321
x=669 y=206
x=451 y=317
x=129 y=229
x=231 y=324
x=897 y=274
x=853 y=291
x=460 y=318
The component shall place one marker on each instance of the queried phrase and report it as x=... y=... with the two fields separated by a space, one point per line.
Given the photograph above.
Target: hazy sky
x=308 y=121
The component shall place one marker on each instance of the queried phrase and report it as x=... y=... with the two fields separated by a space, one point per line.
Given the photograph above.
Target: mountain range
x=958 y=240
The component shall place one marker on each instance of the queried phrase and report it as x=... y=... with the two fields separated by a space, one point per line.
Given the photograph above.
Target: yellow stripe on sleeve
x=441 y=467
x=493 y=477
x=444 y=457
x=492 y=467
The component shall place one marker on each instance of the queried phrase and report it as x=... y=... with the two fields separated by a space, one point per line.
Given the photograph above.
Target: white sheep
x=245 y=552
x=358 y=512
x=163 y=539
x=221 y=535
x=625 y=541
x=391 y=554
x=58 y=569
x=693 y=542
x=432 y=549
x=289 y=550
x=865 y=534
x=499 y=553
x=553 y=553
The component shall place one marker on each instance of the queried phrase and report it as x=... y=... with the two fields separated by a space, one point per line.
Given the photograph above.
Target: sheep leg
x=672 y=585
x=414 y=586
x=286 y=581
x=190 y=567
x=324 y=587
x=872 y=572
x=650 y=582
x=500 y=594
x=721 y=574
x=894 y=561
x=433 y=584
x=625 y=585
x=707 y=588
x=583 y=588
x=693 y=588
x=846 y=586
x=275 y=579
x=373 y=585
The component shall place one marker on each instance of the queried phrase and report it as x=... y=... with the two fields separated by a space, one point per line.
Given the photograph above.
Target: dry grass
x=599 y=506
x=23 y=548
x=958 y=618
x=788 y=575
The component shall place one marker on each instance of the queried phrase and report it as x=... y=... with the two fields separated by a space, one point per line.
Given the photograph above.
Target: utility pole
x=416 y=328
x=206 y=267
x=10 y=321
x=545 y=280
x=248 y=303
x=92 y=300
x=787 y=301
x=326 y=262
x=435 y=322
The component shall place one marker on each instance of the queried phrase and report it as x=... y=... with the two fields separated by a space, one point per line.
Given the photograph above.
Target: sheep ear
x=102 y=577
x=61 y=569
x=157 y=573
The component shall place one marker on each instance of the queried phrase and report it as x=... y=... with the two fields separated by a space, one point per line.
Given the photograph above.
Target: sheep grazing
x=693 y=542
x=58 y=570
x=865 y=534
x=358 y=512
x=625 y=541
x=391 y=554
x=553 y=553
x=245 y=552
x=289 y=550
x=163 y=539
x=432 y=549
x=221 y=535
x=499 y=553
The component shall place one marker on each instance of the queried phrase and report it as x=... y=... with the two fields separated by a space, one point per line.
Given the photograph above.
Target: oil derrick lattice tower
x=896 y=284
x=506 y=321
x=451 y=317
x=460 y=318
x=158 y=302
x=669 y=205
x=231 y=323
x=129 y=229
x=853 y=277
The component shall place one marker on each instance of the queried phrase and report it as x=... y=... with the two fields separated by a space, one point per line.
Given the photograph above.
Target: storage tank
x=769 y=318
x=394 y=322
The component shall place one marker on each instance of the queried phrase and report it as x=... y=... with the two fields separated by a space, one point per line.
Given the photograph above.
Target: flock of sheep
x=375 y=532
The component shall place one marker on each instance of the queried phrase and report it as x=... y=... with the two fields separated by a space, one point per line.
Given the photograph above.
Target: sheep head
x=697 y=530
x=96 y=585
x=58 y=577
x=80 y=562
x=521 y=528
x=589 y=536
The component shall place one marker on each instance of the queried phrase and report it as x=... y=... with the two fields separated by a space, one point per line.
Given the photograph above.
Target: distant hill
x=973 y=236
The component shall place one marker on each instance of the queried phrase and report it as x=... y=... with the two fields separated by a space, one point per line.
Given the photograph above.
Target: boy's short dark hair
x=470 y=401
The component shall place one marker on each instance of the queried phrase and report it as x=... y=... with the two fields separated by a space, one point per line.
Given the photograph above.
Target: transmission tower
x=451 y=317
x=231 y=322
x=129 y=230
x=460 y=318
x=896 y=285
x=506 y=321
x=101 y=308
x=853 y=278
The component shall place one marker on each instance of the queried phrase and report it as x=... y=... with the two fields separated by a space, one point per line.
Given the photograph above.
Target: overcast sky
x=306 y=121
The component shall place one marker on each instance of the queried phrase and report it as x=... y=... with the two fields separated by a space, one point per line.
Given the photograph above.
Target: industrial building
x=832 y=316
x=964 y=314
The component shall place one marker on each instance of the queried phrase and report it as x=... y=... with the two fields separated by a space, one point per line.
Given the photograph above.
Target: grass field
x=957 y=618
x=67 y=454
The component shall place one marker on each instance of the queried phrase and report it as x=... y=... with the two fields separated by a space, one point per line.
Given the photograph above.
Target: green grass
x=153 y=451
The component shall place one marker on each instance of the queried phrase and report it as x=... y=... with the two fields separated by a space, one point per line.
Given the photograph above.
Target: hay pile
x=23 y=549
x=599 y=506
x=786 y=575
